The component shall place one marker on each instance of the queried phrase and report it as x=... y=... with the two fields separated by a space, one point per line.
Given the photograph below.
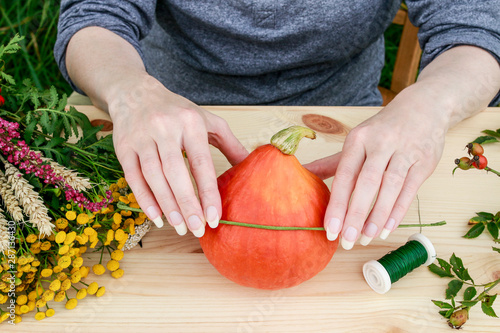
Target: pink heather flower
x=20 y=154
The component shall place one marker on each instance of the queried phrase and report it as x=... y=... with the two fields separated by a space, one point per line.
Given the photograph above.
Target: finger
x=178 y=179
x=367 y=185
x=152 y=170
x=342 y=187
x=202 y=167
x=223 y=139
x=392 y=182
x=140 y=188
x=416 y=177
x=325 y=167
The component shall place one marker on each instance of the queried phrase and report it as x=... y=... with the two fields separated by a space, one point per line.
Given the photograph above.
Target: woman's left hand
x=383 y=162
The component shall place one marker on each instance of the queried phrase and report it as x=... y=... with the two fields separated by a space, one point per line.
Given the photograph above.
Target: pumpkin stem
x=287 y=140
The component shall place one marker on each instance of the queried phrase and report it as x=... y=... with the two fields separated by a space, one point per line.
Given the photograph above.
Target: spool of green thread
x=381 y=274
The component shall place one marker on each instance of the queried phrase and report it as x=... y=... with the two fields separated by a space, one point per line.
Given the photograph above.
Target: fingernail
x=367 y=236
x=196 y=226
x=333 y=229
x=387 y=228
x=178 y=222
x=154 y=214
x=212 y=217
x=349 y=237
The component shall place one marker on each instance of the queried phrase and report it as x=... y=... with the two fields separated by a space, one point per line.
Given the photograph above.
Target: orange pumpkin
x=270 y=187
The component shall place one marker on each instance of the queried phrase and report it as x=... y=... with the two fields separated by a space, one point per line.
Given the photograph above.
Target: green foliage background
x=37 y=21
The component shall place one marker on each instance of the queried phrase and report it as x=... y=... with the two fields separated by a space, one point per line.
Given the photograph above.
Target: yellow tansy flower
x=22 y=299
x=82 y=239
x=50 y=312
x=46 y=272
x=40 y=303
x=18 y=319
x=120 y=235
x=117 y=274
x=109 y=237
x=60 y=296
x=98 y=269
x=60 y=237
x=71 y=215
x=35 y=263
x=45 y=246
x=113 y=265
x=81 y=294
x=70 y=238
x=113 y=187
x=126 y=212
x=84 y=270
x=83 y=249
x=64 y=261
x=65 y=285
x=57 y=269
x=122 y=183
x=132 y=229
x=117 y=255
x=117 y=218
x=134 y=205
x=48 y=295
x=116 y=196
x=4 y=316
x=76 y=277
x=89 y=231
x=78 y=262
x=31 y=238
x=92 y=288
x=24 y=309
x=82 y=218
x=71 y=304
x=100 y=292
x=61 y=223
x=55 y=285
x=63 y=249
x=40 y=315
x=124 y=199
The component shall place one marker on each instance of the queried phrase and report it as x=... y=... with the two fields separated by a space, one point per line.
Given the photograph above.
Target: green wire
x=402 y=261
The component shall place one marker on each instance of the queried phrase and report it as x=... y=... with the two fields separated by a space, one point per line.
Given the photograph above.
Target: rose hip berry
x=480 y=162
x=463 y=163
x=458 y=318
x=474 y=148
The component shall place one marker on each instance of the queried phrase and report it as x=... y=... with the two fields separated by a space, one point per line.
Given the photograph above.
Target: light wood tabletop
x=169 y=286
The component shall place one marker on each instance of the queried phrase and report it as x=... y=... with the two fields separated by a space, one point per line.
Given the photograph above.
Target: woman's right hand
x=152 y=126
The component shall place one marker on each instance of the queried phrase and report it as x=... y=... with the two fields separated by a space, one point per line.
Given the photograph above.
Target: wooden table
x=169 y=286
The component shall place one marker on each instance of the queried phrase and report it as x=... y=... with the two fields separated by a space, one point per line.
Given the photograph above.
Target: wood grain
x=169 y=286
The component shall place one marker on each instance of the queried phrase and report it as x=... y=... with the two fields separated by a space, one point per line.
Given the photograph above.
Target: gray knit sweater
x=282 y=52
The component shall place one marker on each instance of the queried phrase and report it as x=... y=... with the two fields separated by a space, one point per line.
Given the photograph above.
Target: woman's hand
x=384 y=161
x=152 y=128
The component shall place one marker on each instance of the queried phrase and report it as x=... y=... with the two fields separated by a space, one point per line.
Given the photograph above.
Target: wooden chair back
x=407 y=58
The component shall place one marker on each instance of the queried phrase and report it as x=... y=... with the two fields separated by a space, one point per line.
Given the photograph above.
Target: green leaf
x=469 y=293
x=478 y=219
x=453 y=288
x=488 y=310
x=8 y=78
x=449 y=313
x=489 y=299
x=491 y=133
x=28 y=132
x=485 y=139
x=442 y=305
x=443 y=313
x=475 y=231
x=457 y=266
x=497 y=249
x=493 y=229
x=486 y=215
x=439 y=271
x=469 y=303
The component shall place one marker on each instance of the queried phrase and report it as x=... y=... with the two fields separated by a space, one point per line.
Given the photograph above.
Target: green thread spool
x=381 y=274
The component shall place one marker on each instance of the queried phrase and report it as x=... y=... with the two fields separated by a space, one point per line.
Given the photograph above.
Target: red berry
x=474 y=148
x=458 y=318
x=2 y=100
x=480 y=162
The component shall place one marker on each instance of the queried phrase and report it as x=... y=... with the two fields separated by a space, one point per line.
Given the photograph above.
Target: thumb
x=224 y=140
x=325 y=167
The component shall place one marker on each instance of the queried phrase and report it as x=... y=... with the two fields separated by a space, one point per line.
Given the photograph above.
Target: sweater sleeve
x=444 y=24
x=129 y=19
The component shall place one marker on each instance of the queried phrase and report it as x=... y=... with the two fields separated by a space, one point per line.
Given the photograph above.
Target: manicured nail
x=333 y=229
x=349 y=237
x=196 y=226
x=389 y=226
x=369 y=233
x=154 y=214
x=212 y=217
x=178 y=222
